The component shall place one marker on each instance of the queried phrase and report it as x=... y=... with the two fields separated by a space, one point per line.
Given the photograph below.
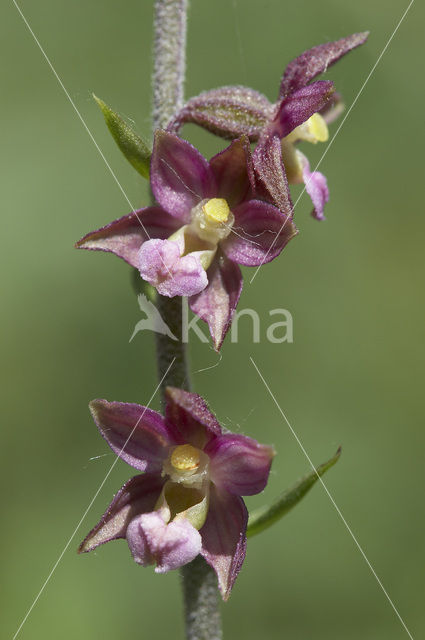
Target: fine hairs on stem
x=199 y=582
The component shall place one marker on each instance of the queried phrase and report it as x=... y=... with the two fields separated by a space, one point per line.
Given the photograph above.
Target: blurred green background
x=353 y=376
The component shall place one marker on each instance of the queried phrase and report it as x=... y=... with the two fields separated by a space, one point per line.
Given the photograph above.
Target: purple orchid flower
x=301 y=113
x=188 y=499
x=207 y=223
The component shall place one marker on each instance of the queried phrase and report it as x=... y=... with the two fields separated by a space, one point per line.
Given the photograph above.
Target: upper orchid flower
x=187 y=501
x=301 y=113
x=205 y=225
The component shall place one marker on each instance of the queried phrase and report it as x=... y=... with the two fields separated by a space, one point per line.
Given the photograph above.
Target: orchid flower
x=207 y=223
x=301 y=113
x=188 y=499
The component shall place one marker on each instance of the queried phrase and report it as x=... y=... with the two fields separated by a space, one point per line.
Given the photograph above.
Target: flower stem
x=199 y=581
x=171 y=354
x=200 y=592
x=170 y=18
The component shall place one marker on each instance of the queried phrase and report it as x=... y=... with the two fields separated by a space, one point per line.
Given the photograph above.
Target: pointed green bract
x=264 y=517
x=133 y=146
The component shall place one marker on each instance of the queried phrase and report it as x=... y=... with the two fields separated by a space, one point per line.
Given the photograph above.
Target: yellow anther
x=185 y=458
x=318 y=127
x=216 y=210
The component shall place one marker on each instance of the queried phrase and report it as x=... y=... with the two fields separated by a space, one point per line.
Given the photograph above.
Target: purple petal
x=191 y=417
x=224 y=537
x=180 y=175
x=138 y=495
x=234 y=171
x=170 y=546
x=125 y=236
x=259 y=233
x=161 y=265
x=216 y=304
x=239 y=464
x=228 y=112
x=142 y=433
x=300 y=105
x=317 y=188
x=317 y=60
x=272 y=184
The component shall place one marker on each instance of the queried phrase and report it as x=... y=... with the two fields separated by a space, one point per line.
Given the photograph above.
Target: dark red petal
x=125 y=236
x=234 y=171
x=190 y=416
x=180 y=176
x=300 y=105
x=138 y=435
x=317 y=60
x=138 y=495
x=239 y=464
x=216 y=304
x=259 y=233
x=224 y=537
x=272 y=184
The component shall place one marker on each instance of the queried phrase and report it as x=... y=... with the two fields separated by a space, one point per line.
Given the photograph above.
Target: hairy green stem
x=172 y=358
x=169 y=53
x=199 y=582
x=200 y=592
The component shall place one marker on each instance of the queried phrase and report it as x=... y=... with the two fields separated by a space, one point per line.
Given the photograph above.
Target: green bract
x=135 y=149
x=264 y=517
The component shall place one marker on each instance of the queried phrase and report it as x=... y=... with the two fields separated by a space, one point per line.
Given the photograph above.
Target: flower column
x=199 y=581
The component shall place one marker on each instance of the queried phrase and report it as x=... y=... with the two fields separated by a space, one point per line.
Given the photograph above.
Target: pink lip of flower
x=188 y=499
x=300 y=113
x=207 y=223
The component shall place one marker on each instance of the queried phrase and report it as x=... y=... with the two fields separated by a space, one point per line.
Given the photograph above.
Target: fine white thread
x=89 y=507
x=338 y=130
x=332 y=499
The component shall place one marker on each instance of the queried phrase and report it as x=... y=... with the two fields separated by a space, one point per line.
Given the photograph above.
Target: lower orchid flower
x=188 y=499
x=207 y=224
